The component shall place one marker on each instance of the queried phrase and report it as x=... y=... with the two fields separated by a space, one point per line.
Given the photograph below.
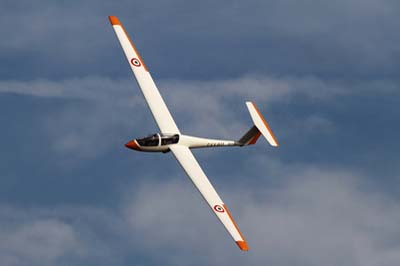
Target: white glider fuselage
x=162 y=142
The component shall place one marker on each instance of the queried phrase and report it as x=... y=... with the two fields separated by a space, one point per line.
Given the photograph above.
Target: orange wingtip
x=114 y=20
x=242 y=245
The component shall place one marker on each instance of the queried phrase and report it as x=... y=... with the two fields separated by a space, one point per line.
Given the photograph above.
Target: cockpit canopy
x=158 y=139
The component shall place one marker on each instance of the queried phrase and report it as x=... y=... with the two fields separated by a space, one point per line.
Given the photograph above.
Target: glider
x=171 y=139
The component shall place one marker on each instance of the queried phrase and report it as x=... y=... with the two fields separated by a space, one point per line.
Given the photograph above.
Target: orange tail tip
x=114 y=20
x=242 y=245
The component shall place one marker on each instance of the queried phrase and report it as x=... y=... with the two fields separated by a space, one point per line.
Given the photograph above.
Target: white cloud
x=198 y=93
x=63 y=235
x=308 y=216
x=318 y=217
x=90 y=88
x=101 y=108
x=37 y=242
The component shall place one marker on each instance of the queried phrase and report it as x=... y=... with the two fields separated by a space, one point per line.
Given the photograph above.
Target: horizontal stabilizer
x=261 y=124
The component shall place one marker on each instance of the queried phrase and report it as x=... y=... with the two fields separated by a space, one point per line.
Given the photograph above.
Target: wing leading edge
x=149 y=89
x=200 y=180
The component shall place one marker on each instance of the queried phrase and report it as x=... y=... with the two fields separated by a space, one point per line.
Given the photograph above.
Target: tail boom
x=195 y=142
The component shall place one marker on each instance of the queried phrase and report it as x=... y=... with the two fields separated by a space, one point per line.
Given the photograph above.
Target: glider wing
x=200 y=180
x=149 y=89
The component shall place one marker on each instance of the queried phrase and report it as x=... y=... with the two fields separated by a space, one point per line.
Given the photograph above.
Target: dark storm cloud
x=202 y=40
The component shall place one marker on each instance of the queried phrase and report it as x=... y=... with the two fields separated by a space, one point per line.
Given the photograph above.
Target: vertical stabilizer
x=261 y=124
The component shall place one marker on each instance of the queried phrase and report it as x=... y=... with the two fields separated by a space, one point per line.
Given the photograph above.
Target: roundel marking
x=135 y=62
x=218 y=208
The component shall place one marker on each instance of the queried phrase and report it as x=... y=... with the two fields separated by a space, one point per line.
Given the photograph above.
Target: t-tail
x=259 y=128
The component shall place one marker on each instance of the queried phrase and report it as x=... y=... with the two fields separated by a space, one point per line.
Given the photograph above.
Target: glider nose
x=132 y=145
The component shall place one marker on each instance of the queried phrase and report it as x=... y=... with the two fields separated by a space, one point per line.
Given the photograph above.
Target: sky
x=325 y=74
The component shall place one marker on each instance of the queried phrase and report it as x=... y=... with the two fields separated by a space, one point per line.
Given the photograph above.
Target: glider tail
x=259 y=128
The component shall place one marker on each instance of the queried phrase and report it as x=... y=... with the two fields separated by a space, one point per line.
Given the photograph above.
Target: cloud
x=90 y=88
x=100 y=107
x=341 y=38
x=59 y=236
x=316 y=216
x=92 y=109
x=184 y=92
x=308 y=216
x=36 y=241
